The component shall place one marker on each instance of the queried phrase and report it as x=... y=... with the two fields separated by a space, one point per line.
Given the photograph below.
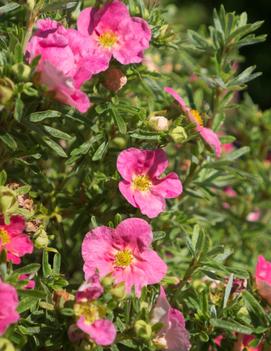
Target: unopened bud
x=6 y=90
x=119 y=291
x=119 y=142
x=143 y=330
x=159 y=123
x=107 y=281
x=41 y=239
x=114 y=79
x=31 y=4
x=6 y=345
x=21 y=70
x=178 y=134
x=8 y=201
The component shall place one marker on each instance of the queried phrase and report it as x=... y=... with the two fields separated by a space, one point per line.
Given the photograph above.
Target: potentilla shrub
x=134 y=182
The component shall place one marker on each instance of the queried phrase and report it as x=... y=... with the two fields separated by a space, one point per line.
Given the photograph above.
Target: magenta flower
x=173 y=336
x=30 y=284
x=112 y=32
x=8 y=304
x=90 y=290
x=91 y=314
x=263 y=278
x=141 y=185
x=207 y=134
x=66 y=62
x=125 y=253
x=13 y=240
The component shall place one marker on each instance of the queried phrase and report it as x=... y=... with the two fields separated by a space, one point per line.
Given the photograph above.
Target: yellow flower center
x=142 y=183
x=123 y=258
x=108 y=39
x=4 y=237
x=197 y=117
x=90 y=311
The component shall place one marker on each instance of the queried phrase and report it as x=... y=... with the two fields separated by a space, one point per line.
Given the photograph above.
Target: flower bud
x=159 y=123
x=114 y=79
x=31 y=4
x=21 y=70
x=41 y=239
x=143 y=330
x=6 y=90
x=119 y=291
x=119 y=142
x=107 y=281
x=8 y=201
x=178 y=134
x=6 y=345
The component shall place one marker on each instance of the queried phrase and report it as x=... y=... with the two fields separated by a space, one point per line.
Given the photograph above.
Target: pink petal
x=161 y=309
x=135 y=231
x=177 y=97
x=149 y=204
x=177 y=336
x=102 y=331
x=211 y=138
x=127 y=192
x=168 y=187
x=8 y=303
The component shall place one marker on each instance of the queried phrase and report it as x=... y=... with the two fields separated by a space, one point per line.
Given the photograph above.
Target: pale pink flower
x=254 y=216
x=66 y=62
x=230 y=192
x=125 y=253
x=90 y=290
x=112 y=32
x=91 y=314
x=173 y=336
x=210 y=137
x=13 y=240
x=142 y=185
x=30 y=284
x=8 y=304
x=263 y=278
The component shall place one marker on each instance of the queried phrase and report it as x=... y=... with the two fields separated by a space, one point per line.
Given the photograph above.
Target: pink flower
x=254 y=216
x=141 y=185
x=173 y=336
x=30 y=284
x=230 y=192
x=66 y=62
x=263 y=278
x=125 y=253
x=13 y=240
x=90 y=290
x=8 y=304
x=91 y=314
x=112 y=32
x=207 y=134
x=218 y=340
x=243 y=343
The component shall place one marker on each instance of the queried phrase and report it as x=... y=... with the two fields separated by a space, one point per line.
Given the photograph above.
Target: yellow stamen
x=90 y=311
x=108 y=39
x=141 y=183
x=123 y=258
x=4 y=237
x=197 y=117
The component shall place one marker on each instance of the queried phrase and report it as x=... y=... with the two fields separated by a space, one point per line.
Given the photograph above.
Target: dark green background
x=201 y=11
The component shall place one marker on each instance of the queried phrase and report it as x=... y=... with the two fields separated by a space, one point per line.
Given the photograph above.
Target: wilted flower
x=125 y=252
x=114 y=79
x=13 y=240
x=112 y=32
x=173 y=336
x=66 y=62
x=141 y=185
x=8 y=304
x=90 y=290
x=207 y=134
x=263 y=278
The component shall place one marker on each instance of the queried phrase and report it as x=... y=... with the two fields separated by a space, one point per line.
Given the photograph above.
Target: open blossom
x=8 y=304
x=112 y=32
x=207 y=134
x=125 y=253
x=263 y=278
x=13 y=240
x=91 y=315
x=66 y=62
x=142 y=186
x=173 y=336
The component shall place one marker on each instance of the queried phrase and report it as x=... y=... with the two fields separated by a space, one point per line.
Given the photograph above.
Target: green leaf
x=255 y=308
x=28 y=269
x=100 y=152
x=26 y=303
x=37 y=294
x=40 y=116
x=228 y=291
x=3 y=177
x=8 y=8
x=237 y=153
x=57 y=133
x=232 y=326
x=19 y=107
x=57 y=263
x=54 y=146
x=9 y=141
